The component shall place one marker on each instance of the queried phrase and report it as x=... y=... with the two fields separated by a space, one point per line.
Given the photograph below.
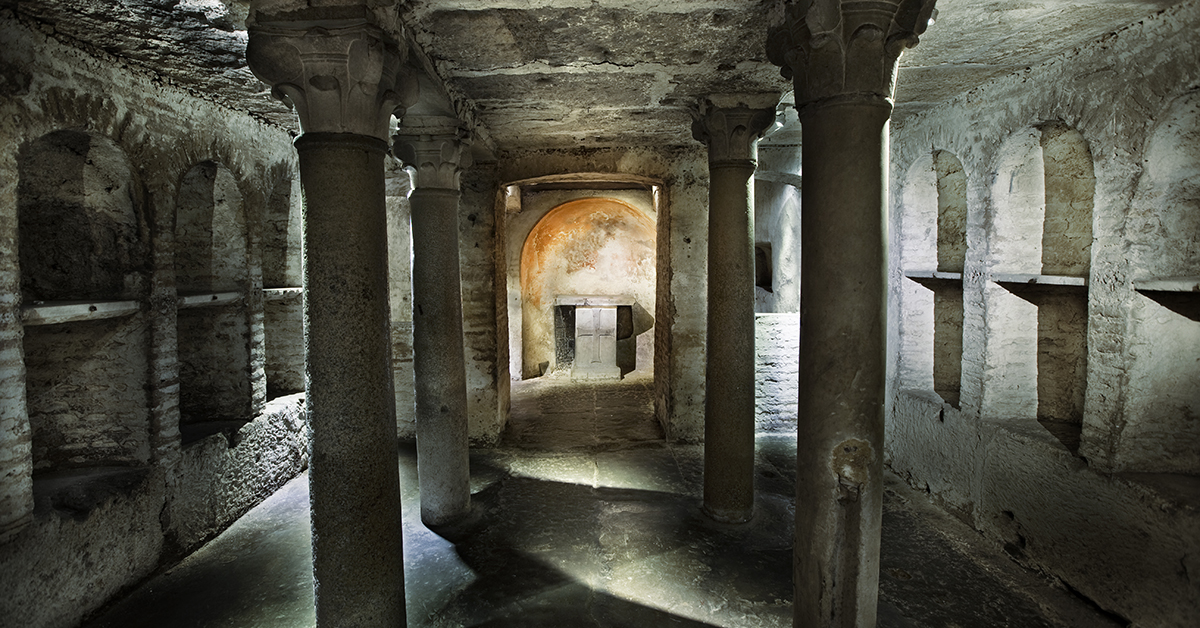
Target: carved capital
x=437 y=151
x=845 y=48
x=730 y=132
x=342 y=75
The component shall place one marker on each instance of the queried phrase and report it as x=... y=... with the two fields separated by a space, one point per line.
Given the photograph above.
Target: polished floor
x=585 y=517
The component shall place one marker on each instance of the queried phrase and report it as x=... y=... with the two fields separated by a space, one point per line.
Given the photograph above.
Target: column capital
x=845 y=49
x=436 y=148
x=342 y=73
x=731 y=126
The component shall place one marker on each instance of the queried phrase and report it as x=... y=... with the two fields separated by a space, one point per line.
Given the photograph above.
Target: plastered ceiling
x=578 y=73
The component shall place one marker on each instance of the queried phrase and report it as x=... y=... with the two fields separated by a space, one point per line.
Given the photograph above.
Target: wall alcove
x=1160 y=432
x=82 y=240
x=211 y=278
x=1041 y=259
x=283 y=292
x=933 y=256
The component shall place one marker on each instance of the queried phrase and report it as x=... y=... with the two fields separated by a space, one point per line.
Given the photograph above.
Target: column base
x=721 y=515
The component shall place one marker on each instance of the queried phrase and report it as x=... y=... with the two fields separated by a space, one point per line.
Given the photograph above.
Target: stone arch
x=210 y=231
x=282 y=239
x=586 y=246
x=283 y=278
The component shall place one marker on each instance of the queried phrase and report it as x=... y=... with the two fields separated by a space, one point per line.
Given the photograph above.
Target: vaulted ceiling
x=570 y=73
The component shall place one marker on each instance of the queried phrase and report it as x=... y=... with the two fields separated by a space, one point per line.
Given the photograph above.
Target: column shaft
x=358 y=558
x=842 y=311
x=443 y=453
x=729 y=383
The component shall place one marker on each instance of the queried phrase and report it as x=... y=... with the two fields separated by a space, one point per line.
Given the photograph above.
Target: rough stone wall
x=214 y=364
x=777 y=222
x=680 y=310
x=263 y=454
x=1126 y=541
x=483 y=338
x=776 y=371
x=283 y=327
x=118 y=521
x=93 y=412
x=399 y=228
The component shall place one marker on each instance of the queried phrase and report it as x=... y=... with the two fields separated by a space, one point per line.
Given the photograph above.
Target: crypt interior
x=488 y=313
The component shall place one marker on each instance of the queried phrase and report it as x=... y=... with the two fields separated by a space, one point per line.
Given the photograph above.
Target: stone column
x=842 y=56
x=342 y=73
x=731 y=130
x=436 y=152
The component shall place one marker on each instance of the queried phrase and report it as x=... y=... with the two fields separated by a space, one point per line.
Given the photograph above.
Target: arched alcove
x=211 y=278
x=1040 y=261
x=588 y=247
x=283 y=292
x=80 y=231
x=933 y=254
x=1160 y=432
x=82 y=241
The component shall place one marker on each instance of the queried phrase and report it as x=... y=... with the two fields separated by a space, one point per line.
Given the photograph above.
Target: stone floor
x=584 y=517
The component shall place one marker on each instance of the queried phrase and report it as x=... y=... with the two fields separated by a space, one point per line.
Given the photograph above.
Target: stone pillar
x=843 y=58
x=731 y=130
x=436 y=152
x=342 y=73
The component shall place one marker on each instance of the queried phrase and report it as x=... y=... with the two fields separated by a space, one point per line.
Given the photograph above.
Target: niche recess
x=211 y=279
x=1160 y=431
x=1041 y=257
x=596 y=246
x=933 y=256
x=82 y=241
x=283 y=294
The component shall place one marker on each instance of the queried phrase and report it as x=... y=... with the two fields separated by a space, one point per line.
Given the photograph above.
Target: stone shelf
x=1168 y=284
x=1178 y=294
x=1028 y=279
x=937 y=280
x=282 y=293
x=54 y=312
x=204 y=300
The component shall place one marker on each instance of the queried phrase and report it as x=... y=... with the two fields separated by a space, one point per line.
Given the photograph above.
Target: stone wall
x=776 y=372
x=777 y=227
x=485 y=343
x=1073 y=324
x=94 y=478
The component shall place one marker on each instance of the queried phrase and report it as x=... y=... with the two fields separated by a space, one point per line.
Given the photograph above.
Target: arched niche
x=83 y=248
x=283 y=235
x=933 y=255
x=283 y=278
x=588 y=246
x=81 y=234
x=1160 y=432
x=211 y=276
x=210 y=232
x=1040 y=246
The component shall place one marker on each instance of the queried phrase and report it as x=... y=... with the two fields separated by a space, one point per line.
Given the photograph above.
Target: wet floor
x=584 y=516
